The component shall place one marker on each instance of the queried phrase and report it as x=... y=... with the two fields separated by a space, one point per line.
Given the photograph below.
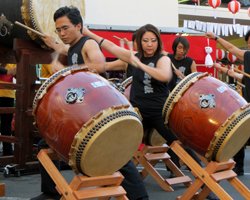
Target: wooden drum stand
x=83 y=187
x=211 y=175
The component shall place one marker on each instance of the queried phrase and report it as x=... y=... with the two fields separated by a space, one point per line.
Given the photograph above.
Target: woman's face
x=180 y=51
x=149 y=44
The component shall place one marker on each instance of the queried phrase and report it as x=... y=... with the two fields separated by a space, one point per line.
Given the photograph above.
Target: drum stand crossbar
x=209 y=177
x=83 y=187
x=149 y=156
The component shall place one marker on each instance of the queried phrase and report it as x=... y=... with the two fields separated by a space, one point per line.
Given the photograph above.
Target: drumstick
x=240 y=71
x=117 y=37
x=30 y=29
x=240 y=84
x=173 y=66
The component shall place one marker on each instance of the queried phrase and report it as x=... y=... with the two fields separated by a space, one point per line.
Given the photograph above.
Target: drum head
x=231 y=137
x=107 y=144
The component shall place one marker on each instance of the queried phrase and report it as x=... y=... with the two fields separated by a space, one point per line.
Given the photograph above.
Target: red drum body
x=86 y=121
x=208 y=116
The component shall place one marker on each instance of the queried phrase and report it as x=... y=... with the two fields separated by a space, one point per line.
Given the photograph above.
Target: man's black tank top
x=75 y=52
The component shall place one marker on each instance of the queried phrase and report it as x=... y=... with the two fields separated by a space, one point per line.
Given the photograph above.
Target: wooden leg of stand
x=203 y=175
x=56 y=176
x=2 y=189
x=240 y=187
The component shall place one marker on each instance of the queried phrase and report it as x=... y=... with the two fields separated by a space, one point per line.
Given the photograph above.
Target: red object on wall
x=214 y=3
x=231 y=58
x=234 y=6
x=220 y=54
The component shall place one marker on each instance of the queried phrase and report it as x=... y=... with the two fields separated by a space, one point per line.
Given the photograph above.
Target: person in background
x=7 y=97
x=183 y=65
x=243 y=55
x=83 y=50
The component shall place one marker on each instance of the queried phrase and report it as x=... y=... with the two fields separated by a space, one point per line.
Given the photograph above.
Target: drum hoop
x=51 y=80
x=178 y=91
x=102 y=119
x=127 y=81
x=225 y=130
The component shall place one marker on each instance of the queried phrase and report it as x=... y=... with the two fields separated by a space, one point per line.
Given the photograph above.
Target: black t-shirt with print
x=147 y=93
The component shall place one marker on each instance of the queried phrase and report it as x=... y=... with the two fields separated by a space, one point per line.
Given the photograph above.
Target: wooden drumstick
x=117 y=37
x=30 y=29
x=173 y=66
x=244 y=73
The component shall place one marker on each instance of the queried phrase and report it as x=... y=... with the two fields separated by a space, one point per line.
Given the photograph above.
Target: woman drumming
x=151 y=71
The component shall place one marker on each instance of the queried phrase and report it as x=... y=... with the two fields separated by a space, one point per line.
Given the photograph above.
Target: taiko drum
x=208 y=116
x=86 y=121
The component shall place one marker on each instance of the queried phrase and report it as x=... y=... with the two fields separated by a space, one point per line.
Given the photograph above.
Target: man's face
x=67 y=31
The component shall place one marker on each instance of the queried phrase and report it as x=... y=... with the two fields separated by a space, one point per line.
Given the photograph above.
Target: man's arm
x=58 y=47
x=228 y=46
x=93 y=57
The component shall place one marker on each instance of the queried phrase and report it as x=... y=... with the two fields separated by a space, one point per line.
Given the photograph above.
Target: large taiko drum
x=208 y=116
x=86 y=121
x=36 y=14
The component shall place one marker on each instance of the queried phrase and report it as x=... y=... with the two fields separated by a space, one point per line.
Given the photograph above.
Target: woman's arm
x=228 y=46
x=121 y=53
x=116 y=65
x=162 y=72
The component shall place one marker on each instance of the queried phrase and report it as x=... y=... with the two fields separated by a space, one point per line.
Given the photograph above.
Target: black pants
x=239 y=158
x=6 y=124
x=132 y=182
x=158 y=124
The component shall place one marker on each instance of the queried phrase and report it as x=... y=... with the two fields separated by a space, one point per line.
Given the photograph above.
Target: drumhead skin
x=231 y=136
x=106 y=143
x=208 y=116
x=87 y=121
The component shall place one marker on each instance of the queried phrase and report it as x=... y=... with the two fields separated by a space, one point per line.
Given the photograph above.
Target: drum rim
x=225 y=131
x=93 y=127
x=127 y=82
x=51 y=80
x=178 y=91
